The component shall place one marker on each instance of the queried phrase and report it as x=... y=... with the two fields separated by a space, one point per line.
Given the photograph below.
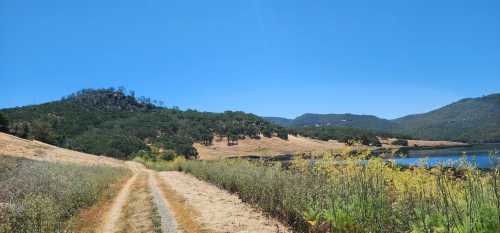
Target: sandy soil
x=218 y=210
x=266 y=147
x=18 y=147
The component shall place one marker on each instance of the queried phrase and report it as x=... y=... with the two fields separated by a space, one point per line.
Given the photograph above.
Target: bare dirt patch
x=266 y=147
x=217 y=210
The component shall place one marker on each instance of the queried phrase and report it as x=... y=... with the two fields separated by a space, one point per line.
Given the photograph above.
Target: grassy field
x=37 y=196
x=352 y=198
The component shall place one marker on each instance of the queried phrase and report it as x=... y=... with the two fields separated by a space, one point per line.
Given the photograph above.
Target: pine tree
x=4 y=124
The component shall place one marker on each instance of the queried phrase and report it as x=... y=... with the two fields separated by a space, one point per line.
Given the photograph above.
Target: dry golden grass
x=424 y=143
x=387 y=142
x=88 y=220
x=35 y=150
x=266 y=147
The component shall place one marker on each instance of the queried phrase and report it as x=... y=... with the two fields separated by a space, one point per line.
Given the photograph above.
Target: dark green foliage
x=168 y=155
x=341 y=120
x=21 y=129
x=341 y=134
x=470 y=120
x=267 y=132
x=283 y=134
x=114 y=123
x=400 y=142
x=4 y=124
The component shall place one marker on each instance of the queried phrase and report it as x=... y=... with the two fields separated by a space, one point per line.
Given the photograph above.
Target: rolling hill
x=116 y=123
x=340 y=120
x=471 y=120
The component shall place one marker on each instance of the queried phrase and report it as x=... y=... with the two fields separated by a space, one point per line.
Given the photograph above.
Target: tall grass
x=375 y=197
x=40 y=196
x=161 y=165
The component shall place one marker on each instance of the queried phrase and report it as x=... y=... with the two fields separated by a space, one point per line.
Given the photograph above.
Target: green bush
x=4 y=124
x=400 y=142
x=168 y=155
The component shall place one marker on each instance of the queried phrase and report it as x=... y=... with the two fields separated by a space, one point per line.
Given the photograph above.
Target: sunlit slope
x=266 y=147
x=35 y=150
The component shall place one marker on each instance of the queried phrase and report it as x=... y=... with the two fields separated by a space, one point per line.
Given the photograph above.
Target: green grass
x=263 y=150
x=161 y=165
x=156 y=219
x=353 y=198
x=40 y=196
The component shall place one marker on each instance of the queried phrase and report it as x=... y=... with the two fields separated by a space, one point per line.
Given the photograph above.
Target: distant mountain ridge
x=341 y=120
x=470 y=119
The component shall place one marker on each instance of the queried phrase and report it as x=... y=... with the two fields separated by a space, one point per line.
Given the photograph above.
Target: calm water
x=478 y=155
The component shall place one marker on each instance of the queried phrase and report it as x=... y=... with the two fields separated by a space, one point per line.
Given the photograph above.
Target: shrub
x=349 y=197
x=400 y=142
x=4 y=124
x=168 y=155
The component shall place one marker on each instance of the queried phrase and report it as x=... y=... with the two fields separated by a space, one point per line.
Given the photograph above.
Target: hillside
x=116 y=123
x=267 y=147
x=471 y=120
x=34 y=150
x=342 y=120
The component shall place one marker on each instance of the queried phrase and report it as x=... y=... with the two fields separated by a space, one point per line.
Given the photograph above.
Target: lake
x=476 y=155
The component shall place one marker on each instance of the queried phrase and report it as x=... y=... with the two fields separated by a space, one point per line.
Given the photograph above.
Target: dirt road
x=150 y=201
x=217 y=210
x=171 y=202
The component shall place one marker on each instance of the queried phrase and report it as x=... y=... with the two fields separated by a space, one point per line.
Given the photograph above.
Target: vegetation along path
x=214 y=209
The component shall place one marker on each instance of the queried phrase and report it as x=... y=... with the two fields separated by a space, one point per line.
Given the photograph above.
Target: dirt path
x=138 y=213
x=181 y=203
x=168 y=224
x=216 y=209
x=111 y=219
x=140 y=206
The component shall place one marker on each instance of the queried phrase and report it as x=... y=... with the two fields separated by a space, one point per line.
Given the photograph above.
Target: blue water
x=481 y=156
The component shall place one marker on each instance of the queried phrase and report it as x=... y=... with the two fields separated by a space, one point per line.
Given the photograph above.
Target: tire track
x=168 y=224
x=113 y=216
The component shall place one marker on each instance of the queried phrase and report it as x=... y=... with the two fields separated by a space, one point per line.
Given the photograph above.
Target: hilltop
x=118 y=124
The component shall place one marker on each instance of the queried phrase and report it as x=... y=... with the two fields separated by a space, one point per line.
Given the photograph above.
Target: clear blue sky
x=269 y=57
